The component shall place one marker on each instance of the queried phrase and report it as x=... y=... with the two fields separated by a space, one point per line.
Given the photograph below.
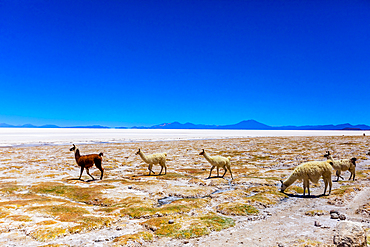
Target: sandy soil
x=43 y=204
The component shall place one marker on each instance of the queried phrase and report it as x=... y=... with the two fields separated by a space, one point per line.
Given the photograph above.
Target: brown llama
x=87 y=161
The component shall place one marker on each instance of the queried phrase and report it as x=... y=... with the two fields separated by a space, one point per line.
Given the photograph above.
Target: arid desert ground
x=42 y=202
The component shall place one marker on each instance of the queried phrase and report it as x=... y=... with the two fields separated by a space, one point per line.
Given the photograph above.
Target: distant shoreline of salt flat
x=15 y=137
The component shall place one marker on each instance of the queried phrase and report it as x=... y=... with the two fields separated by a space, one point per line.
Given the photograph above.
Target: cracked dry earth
x=43 y=204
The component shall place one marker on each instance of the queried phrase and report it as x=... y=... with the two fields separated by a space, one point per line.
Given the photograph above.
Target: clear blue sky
x=125 y=63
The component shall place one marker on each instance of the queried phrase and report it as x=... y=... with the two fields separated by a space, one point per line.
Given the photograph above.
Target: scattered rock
x=317 y=223
x=334 y=216
x=171 y=221
x=130 y=187
x=342 y=217
x=349 y=234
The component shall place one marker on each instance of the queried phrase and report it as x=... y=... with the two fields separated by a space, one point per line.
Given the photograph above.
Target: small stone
x=342 y=217
x=334 y=216
x=130 y=187
x=317 y=223
x=171 y=221
x=118 y=228
x=334 y=212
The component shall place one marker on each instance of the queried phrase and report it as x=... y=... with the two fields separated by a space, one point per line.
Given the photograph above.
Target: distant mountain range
x=4 y=125
x=254 y=125
x=244 y=125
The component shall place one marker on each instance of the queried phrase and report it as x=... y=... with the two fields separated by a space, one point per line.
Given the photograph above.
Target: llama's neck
x=143 y=156
x=208 y=158
x=289 y=181
x=329 y=157
x=77 y=154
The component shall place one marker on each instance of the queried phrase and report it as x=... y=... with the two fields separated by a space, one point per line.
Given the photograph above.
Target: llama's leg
x=165 y=169
x=88 y=173
x=218 y=173
x=338 y=172
x=330 y=184
x=82 y=169
x=228 y=167
x=306 y=184
x=326 y=181
x=98 y=165
x=150 y=168
x=225 y=171
x=211 y=171
x=161 y=169
x=353 y=173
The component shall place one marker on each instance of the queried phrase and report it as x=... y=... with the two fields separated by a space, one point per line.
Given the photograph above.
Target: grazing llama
x=310 y=171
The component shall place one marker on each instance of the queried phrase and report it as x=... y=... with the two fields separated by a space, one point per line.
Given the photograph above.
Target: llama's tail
x=165 y=154
x=101 y=154
x=229 y=158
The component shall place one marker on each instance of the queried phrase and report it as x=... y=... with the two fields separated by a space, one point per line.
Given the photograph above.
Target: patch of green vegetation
x=75 y=193
x=140 y=237
x=23 y=218
x=10 y=188
x=184 y=227
x=344 y=190
x=64 y=213
x=236 y=208
x=48 y=233
x=217 y=223
x=194 y=231
x=88 y=223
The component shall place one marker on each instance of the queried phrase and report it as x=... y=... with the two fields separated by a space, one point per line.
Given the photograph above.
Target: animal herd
x=308 y=171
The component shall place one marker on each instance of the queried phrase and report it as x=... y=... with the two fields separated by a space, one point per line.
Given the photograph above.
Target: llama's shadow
x=152 y=175
x=304 y=196
x=214 y=177
x=86 y=181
